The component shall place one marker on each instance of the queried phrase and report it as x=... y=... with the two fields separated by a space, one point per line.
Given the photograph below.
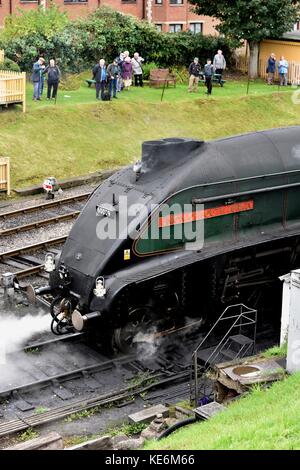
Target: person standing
x=194 y=71
x=42 y=81
x=53 y=79
x=120 y=65
x=219 y=64
x=113 y=75
x=271 y=67
x=99 y=75
x=208 y=73
x=36 y=77
x=137 y=69
x=127 y=73
x=283 y=67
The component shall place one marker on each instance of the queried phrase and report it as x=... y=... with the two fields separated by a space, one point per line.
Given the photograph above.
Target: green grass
x=80 y=135
x=264 y=419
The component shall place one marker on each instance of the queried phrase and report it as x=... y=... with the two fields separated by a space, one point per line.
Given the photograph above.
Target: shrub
x=8 y=64
x=147 y=68
x=181 y=73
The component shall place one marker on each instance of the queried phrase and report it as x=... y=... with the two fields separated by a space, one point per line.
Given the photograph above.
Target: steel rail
x=39 y=223
x=45 y=205
x=33 y=247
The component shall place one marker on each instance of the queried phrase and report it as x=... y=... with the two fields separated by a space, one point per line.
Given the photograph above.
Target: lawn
x=79 y=135
x=263 y=420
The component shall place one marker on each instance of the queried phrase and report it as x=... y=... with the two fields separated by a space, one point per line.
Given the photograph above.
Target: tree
x=251 y=20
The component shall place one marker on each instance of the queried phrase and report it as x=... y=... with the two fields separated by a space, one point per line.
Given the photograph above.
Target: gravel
x=41 y=234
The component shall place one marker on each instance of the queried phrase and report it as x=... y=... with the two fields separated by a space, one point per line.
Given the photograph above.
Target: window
x=176 y=2
x=128 y=1
x=196 y=27
x=158 y=2
x=76 y=1
x=175 y=28
x=158 y=27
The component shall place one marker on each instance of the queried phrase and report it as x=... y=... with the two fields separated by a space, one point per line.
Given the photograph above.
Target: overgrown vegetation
x=77 y=45
x=276 y=351
x=129 y=429
x=28 y=435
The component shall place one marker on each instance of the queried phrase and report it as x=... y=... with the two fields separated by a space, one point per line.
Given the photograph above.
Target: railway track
x=107 y=399
x=19 y=258
x=26 y=264
x=45 y=206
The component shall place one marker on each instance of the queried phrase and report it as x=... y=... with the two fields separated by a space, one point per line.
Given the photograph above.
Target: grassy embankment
x=80 y=135
x=264 y=419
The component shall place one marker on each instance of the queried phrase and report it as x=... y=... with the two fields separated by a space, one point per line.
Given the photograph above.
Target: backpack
x=106 y=95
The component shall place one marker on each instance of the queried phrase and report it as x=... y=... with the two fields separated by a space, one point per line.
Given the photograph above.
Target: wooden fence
x=1 y=55
x=13 y=88
x=5 y=175
x=242 y=63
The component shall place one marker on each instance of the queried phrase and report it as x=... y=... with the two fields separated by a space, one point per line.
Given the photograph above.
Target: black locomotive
x=241 y=193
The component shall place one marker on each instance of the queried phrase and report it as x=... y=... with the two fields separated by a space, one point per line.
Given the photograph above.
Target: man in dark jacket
x=100 y=77
x=208 y=73
x=53 y=79
x=194 y=71
x=271 y=67
x=37 y=69
x=113 y=76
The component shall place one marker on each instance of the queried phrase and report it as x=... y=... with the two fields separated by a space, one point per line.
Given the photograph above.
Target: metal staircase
x=239 y=324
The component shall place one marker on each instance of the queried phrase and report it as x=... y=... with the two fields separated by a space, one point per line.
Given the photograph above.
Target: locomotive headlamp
x=64 y=275
x=100 y=290
x=49 y=262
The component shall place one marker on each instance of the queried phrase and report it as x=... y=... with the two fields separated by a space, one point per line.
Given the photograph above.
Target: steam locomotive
x=206 y=224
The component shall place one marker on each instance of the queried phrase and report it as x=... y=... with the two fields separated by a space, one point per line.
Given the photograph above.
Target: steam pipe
x=43 y=290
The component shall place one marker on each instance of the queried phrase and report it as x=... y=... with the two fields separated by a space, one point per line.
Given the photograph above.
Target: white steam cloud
x=15 y=332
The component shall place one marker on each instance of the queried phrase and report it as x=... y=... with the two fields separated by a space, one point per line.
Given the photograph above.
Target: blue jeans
x=41 y=87
x=36 y=90
x=113 y=87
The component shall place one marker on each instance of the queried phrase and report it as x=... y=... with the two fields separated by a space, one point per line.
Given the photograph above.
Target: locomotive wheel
x=140 y=322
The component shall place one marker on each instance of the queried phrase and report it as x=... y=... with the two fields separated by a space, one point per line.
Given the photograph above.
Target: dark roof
x=292 y=36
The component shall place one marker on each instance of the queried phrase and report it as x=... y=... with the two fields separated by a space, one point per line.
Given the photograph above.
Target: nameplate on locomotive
x=103 y=211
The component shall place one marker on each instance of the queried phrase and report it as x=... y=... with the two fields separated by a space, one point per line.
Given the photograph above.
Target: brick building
x=167 y=15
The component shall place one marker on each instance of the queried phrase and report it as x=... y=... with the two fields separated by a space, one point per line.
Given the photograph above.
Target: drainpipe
x=144 y=10
x=149 y=10
x=10 y=7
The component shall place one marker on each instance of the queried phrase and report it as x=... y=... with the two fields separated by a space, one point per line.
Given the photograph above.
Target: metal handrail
x=245 y=313
x=222 y=318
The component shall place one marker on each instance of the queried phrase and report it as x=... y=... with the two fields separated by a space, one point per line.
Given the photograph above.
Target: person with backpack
x=100 y=77
x=53 y=79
